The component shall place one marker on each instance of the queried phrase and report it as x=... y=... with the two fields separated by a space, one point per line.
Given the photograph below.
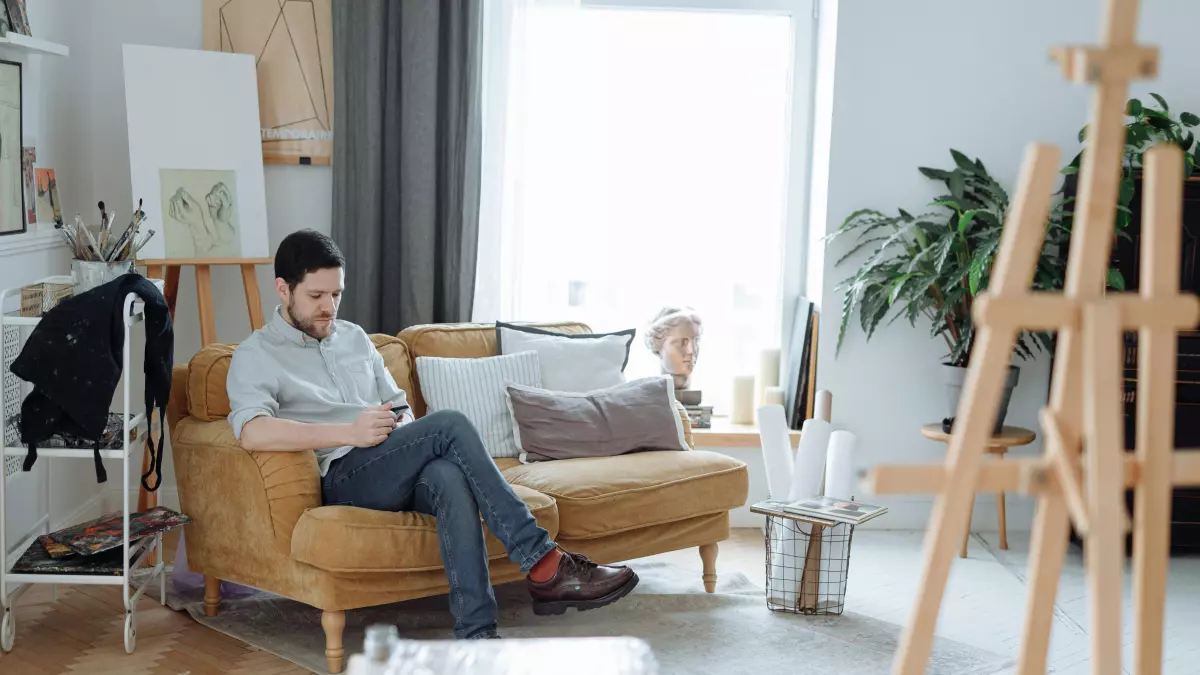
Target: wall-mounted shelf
x=34 y=45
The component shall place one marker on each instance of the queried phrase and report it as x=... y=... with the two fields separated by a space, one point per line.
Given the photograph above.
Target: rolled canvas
x=839 y=465
x=809 y=468
x=776 y=449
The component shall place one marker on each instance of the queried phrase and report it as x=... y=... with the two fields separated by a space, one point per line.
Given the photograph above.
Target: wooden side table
x=1009 y=437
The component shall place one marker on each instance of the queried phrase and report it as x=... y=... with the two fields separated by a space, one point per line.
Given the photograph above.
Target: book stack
x=700 y=416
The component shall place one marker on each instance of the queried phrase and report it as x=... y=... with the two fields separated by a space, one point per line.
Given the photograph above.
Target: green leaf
x=1082 y=133
x=1187 y=142
x=935 y=174
x=964 y=221
x=1116 y=280
x=897 y=286
x=957 y=185
x=1069 y=169
x=1188 y=119
x=962 y=161
x=1134 y=107
x=976 y=275
x=1160 y=122
x=905 y=215
x=943 y=248
x=1161 y=102
x=949 y=203
x=1127 y=190
x=858 y=247
x=1123 y=218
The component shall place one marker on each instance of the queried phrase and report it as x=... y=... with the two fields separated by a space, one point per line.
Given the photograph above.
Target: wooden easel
x=1085 y=405
x=168 y=269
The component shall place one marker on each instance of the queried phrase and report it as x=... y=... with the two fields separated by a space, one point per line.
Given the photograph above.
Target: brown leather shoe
x=582 y=584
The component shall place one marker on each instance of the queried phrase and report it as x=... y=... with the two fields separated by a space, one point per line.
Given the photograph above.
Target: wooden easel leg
x=208 y=328
x=1020 y=245
x=172 y=287
x=967 y=534
x=1003 y=518
x=253 y=301
x=1046 y=553
x=1104 y=432
x=1155 y=406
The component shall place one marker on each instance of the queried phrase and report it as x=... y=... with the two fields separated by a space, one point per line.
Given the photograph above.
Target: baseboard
x=89 y=510
x=168 y=497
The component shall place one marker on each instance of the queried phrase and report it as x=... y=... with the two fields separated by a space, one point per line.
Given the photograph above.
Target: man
x=309 y=381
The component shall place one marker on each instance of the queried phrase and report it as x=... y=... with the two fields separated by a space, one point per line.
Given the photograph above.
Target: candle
x=743 y=400
x=768 y=373
x=773 y=396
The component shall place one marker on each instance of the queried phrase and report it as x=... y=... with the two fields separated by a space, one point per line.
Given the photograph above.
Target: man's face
x=312 y=306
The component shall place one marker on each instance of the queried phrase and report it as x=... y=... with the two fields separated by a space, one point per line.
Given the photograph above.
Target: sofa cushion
x=599 y=496
x=459 y=341
x=347 y=539
x=209 y=368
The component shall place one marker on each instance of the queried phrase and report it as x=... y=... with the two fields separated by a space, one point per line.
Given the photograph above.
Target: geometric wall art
x=292 y=44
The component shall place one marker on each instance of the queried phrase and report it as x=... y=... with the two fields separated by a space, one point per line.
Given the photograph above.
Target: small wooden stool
x=1009 y=437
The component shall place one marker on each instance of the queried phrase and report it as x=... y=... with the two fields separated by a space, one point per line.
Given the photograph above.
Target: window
x=645 y=164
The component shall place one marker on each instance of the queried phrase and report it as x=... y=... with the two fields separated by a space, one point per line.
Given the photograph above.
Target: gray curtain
x=406 y=158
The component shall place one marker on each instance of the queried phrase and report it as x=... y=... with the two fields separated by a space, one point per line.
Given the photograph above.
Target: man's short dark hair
x=305 y=251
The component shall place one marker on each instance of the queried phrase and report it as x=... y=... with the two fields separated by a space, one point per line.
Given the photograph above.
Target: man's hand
x=372 y=426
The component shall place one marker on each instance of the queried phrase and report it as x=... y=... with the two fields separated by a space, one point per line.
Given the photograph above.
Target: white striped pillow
x=478 y=389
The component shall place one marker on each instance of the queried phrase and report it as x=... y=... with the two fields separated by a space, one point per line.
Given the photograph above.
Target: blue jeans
x=438 y=465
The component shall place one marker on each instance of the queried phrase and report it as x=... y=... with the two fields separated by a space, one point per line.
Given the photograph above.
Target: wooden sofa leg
x=335 y=654
x=212 y=595
x=708 y=554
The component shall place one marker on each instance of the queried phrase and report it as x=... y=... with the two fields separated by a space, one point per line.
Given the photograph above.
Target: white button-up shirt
x=281 y=372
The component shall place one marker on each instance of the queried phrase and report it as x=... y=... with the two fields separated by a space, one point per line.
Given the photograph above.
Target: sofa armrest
x=242 y=503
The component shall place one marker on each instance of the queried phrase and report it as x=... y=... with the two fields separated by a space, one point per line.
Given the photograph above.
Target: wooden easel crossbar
x=1085 y=411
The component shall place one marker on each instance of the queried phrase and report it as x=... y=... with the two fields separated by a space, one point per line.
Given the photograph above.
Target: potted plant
x=932 y=266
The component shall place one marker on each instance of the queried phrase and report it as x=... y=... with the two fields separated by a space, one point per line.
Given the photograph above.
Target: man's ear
x=281 y=288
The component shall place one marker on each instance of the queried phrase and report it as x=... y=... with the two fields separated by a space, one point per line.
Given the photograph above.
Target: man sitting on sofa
x=307 y=380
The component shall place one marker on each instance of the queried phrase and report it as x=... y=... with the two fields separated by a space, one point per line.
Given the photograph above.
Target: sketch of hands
x=186 y=209
x=220 y=210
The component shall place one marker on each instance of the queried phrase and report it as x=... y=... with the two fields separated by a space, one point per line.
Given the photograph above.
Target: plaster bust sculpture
x=674 y=337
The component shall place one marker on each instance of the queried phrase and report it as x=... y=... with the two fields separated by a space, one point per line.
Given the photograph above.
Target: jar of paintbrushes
x=105 y=252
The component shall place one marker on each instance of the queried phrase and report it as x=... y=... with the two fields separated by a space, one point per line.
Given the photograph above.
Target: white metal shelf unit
x=135 y=428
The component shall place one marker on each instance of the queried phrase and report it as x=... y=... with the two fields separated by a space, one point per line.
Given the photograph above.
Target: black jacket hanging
x=73 y=359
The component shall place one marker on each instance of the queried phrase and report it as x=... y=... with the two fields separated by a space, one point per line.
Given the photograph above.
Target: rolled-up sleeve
x=389 y=392
x=253 y=391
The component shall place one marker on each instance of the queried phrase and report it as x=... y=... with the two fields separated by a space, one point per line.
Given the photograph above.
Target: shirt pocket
x=361 y=380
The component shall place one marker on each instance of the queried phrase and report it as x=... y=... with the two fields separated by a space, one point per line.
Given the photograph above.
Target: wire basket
x=39 y=298
x=807 y=566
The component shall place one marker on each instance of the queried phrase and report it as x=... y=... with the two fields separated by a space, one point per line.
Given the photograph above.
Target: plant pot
x=88 y=274
x=954 y=376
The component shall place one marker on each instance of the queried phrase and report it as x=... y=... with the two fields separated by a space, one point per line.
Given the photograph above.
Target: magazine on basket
x=839 y=510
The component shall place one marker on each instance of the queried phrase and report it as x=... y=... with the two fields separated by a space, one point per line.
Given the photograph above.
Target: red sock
x=545 y=569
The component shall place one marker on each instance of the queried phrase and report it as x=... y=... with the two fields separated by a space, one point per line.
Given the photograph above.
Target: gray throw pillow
x=631 y=416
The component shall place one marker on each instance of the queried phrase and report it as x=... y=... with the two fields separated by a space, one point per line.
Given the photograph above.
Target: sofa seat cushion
x=599 y=496
x=347 y=539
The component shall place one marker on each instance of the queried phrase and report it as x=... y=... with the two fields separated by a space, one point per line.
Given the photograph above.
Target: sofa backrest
x=206 y=373
x=459 y=341
x=206 y=394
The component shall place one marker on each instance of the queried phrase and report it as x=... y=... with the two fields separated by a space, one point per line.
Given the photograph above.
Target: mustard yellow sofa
x=258 y=518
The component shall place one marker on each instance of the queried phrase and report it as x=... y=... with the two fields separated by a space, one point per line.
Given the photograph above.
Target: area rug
x=725 y=633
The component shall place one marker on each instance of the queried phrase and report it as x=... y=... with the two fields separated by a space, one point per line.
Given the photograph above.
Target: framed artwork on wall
x=292 y=44
x=12 y=190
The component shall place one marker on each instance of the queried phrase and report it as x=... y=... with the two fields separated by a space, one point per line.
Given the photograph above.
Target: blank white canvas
x=192 y=109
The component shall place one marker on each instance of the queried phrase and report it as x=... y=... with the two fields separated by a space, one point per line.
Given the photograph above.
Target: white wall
x=910 y=83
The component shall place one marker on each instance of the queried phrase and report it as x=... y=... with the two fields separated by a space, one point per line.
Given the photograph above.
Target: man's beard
x=307 y=324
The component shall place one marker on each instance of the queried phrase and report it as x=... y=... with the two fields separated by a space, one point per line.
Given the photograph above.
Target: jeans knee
x=450 y=481
x=452 y=421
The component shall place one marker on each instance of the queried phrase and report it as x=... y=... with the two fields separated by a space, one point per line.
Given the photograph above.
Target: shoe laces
x=579 y=563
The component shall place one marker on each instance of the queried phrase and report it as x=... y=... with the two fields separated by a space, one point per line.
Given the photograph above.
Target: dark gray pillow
x=631 y=416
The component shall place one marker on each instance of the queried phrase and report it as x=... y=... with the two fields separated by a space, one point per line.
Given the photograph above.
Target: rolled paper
x=839 y=466
x=773 y=396
x=823 y=406
x=776 y=449
x=743 y=400
x=809 y=469
x=768 y=374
